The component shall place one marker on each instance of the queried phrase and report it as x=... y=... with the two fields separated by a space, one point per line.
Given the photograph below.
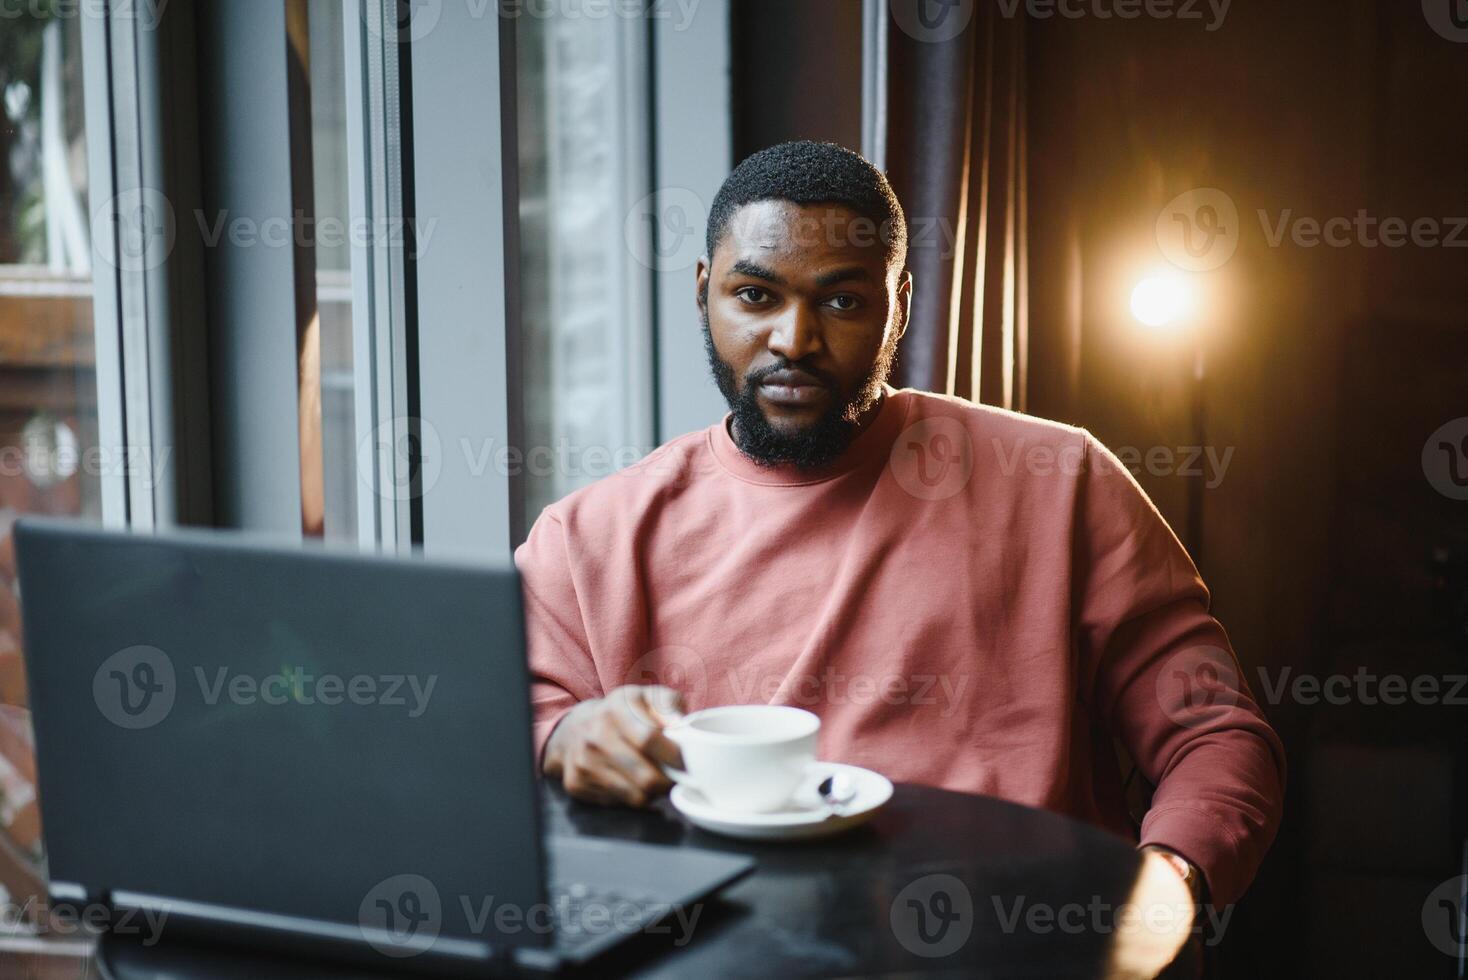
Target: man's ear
x=904 y=303
x=701 y=283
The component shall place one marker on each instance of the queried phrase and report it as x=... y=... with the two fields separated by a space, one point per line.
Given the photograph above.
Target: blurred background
x=401 y=275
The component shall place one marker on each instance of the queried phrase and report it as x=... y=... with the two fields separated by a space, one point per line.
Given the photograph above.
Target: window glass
x=586 y=373
x=333 y=241
x=50 y=460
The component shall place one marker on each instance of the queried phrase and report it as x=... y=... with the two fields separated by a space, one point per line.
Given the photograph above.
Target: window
x=584 y=142
x=50 y=458
x=334 y=232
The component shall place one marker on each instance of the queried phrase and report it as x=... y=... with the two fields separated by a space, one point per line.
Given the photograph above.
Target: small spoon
x=836 y=790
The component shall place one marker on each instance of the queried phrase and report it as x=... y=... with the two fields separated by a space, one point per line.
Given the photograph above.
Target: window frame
x=151 y=356
x=464 y=167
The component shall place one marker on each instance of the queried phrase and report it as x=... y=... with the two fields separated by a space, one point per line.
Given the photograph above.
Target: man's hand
x=608 y=750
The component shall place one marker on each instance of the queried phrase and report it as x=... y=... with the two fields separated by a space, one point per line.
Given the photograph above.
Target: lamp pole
x=1168 y=302
x=1199 y=409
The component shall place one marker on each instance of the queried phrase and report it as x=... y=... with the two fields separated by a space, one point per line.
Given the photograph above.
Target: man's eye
x=758 y=294
x=850 y=302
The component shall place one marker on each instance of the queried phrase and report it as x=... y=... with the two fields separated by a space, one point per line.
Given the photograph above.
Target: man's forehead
x=767 y=230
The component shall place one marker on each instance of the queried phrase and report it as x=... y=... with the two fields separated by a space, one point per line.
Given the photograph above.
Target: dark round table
x=938 y=883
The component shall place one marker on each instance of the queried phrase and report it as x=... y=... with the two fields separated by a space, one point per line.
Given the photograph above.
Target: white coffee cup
x=745 y=757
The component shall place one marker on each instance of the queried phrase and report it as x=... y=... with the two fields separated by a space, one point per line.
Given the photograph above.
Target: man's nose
x=795 y=335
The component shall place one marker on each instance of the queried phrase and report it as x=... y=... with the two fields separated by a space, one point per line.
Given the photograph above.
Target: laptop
x=313 y=749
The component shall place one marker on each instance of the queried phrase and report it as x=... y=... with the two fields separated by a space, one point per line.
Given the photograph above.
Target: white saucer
x=804 y=817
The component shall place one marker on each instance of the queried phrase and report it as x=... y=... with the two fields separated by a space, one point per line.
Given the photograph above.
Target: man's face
x=802 y=323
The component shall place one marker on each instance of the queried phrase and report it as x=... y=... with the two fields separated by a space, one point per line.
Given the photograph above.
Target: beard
x=810 y=447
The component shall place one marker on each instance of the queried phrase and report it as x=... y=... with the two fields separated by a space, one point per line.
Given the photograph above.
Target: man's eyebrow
x=847 y=274
x=748 y=267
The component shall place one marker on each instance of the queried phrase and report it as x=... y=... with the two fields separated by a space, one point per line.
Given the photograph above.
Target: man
x=968 y=597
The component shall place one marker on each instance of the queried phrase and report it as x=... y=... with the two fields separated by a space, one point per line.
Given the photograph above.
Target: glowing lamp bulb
x=1162 y=301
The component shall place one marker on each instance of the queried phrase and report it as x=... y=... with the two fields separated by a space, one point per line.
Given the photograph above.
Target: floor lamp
x=1168 y=303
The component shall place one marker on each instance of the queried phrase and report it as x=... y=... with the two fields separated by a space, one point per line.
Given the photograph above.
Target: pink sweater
x=970 y=598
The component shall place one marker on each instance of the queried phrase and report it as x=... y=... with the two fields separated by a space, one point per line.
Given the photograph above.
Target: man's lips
x=792 y=388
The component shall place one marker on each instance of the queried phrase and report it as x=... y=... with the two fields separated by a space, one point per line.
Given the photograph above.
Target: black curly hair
x=811 y=172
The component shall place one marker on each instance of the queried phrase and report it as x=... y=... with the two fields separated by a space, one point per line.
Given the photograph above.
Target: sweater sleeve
x=562 y=672
x=1160 y=674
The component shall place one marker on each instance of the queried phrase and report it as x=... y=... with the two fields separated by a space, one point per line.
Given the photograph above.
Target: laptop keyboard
x=585 y=914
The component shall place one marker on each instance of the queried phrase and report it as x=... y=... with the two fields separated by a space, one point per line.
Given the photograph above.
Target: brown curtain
x=955 y=153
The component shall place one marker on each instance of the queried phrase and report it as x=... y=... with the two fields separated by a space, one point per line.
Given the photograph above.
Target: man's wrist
x=552 y=756
x=1190 y=873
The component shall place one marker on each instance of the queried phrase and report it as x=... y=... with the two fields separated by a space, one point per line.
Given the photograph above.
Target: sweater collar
x=874 y=443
